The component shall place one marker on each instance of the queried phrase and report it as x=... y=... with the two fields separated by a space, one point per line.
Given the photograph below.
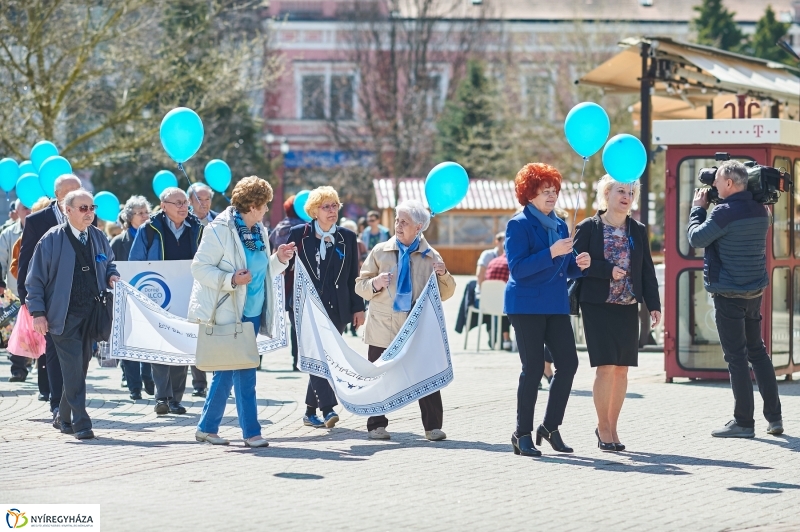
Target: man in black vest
x=36 y=225
x=172 y=234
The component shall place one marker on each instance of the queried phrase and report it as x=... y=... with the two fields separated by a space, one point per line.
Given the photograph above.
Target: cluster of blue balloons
x=36 y=177
x=587 y=127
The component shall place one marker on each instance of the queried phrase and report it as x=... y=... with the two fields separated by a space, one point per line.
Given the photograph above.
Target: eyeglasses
x=553 y=193
x=178 y=204
x=372 y=220
x=330 y=207
x=86 y=208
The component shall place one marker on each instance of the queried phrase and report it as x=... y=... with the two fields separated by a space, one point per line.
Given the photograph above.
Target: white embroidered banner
x=416 y=364
x=144 y=331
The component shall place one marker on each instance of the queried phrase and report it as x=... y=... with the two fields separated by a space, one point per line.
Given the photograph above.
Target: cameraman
x=735 y=273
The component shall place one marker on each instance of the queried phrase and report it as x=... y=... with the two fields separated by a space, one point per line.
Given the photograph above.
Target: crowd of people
x=59 y=263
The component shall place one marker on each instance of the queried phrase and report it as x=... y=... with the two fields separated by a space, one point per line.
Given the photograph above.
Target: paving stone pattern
x=147 y=471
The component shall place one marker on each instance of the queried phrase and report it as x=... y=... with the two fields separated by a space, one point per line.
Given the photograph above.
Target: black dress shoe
x=85 y=434
x=199 y=393
x=176 y=408
x=66 y=428
x=162 y=408
x=150 y=387
x=553 y=438
x=56 y=420
x=16 y=378
x=43 y=397
x=136 y=395
x=524 y=445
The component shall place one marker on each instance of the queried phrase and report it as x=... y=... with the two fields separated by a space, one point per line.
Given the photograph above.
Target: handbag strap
x=213 y=320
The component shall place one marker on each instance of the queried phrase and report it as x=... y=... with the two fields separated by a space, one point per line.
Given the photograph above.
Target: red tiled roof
x=483 y=194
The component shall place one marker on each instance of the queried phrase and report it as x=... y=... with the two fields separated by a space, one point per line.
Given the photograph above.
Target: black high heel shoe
x=619 y=446
x=524 y=445
x=553 y=438
x=603 y=446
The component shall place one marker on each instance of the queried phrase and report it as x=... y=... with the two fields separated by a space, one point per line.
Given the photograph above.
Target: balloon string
x=182 y=169
x=578 y=201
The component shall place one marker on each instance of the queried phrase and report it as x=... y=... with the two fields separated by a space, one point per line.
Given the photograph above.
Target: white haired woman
x=620 y=276
x=392 y=278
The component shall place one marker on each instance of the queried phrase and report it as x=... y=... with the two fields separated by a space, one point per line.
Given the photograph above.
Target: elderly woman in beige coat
x=392 y=279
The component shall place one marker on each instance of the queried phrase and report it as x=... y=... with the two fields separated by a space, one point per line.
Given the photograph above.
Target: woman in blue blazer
x=540 y=259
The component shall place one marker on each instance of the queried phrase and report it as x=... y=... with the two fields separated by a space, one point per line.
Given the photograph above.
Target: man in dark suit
x=36 y=225
x=200 y=196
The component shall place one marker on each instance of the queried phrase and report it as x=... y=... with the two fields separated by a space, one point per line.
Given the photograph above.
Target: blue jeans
x=244 y=382
x=135 y=373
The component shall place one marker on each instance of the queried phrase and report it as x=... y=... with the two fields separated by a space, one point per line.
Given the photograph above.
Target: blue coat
x=538 y=282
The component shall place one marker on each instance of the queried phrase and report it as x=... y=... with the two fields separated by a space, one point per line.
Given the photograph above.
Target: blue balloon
x=300 y=200
x=42 y=151
x=162 y=180
x=53 y=168
x=446 y=185
x=624 y=158
x=26 y=167
x=181 y=134
x=29 y=190
x=218 y=175
x=587 y=127
x=9 y=174
x=107 y=206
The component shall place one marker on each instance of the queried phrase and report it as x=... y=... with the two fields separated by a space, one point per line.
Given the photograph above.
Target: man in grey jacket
x=71 y=265
x=734 y=236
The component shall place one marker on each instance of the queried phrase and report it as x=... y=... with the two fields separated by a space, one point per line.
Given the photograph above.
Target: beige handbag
x=226 y=347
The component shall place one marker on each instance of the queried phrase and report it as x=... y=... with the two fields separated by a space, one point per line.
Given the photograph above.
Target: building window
x=342 y=93
x=313 y=97
x=539 y=94
x=433 y=95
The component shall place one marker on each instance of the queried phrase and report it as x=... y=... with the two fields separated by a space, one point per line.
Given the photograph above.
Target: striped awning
x=482 y=195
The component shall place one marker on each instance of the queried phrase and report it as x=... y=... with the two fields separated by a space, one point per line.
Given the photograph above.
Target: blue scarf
x=252 y=239
x=549 y=222
x=329 y=234
x=402 y=299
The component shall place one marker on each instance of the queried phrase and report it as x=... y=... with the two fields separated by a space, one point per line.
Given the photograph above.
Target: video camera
x=764 y=182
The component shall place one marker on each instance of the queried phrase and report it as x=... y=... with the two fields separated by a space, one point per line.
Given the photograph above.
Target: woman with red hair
x=540 y=260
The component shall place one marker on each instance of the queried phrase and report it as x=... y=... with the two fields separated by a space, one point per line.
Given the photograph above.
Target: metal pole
x=645 y=136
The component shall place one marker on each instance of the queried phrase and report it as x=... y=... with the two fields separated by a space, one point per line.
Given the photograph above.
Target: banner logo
x=17 y=516
x=154 y=286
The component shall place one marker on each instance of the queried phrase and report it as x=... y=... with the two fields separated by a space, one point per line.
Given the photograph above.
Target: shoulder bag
x=226 y=347
x=98 y=323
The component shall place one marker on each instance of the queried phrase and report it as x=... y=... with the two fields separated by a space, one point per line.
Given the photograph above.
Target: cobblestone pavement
x=146 y=471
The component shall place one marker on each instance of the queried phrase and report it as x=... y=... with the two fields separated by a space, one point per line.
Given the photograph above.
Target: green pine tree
x=768 y=32
x=715 y=26
x=466 y=127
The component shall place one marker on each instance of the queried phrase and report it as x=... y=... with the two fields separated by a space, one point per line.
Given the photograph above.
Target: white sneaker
x=379 y=434
x=435 y=434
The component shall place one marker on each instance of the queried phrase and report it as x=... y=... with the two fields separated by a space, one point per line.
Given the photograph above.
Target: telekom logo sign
x=758 y=130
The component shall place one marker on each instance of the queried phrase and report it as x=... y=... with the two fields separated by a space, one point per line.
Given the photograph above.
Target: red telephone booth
x=691 y=341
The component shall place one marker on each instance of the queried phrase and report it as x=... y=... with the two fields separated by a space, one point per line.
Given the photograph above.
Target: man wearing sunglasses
x=36 y=225
x=172 y=234
x=71 y=266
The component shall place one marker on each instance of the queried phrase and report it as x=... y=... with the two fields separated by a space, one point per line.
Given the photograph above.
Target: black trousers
x=430 y=406
x=41 y=376
x=74 y=351
x=293 y=335
x=170 y=382
x=739 y=326
x=199 y=379
x=534 y=331
x=319 y=393
x=54 y=375
x=19 y=366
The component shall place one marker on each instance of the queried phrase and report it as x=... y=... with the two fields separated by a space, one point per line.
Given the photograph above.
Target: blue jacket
x=538 y=282
x=734 y=236
x=149 y=244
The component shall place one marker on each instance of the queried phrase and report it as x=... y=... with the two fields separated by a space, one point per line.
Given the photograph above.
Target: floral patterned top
x=616 y=250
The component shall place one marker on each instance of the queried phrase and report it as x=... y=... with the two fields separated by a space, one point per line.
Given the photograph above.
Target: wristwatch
x=233 y=282
x=373 y=287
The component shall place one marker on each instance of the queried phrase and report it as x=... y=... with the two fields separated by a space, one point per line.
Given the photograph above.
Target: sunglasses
x=86 y=208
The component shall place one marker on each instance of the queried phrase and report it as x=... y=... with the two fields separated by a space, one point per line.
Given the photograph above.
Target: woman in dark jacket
x=540 y=259
x=621 y=275
x=330 y=255
x=135 y=212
